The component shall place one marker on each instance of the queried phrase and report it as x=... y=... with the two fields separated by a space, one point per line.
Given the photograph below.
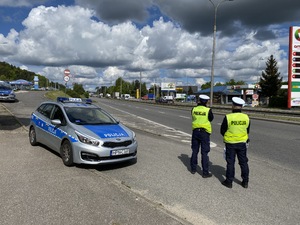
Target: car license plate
x=119 y=152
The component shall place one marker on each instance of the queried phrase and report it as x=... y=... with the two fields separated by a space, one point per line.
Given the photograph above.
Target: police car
x=6 y=92
x=81 y=132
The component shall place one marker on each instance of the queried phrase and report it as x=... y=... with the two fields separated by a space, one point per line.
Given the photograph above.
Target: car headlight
x=12 y=93
x=87 y=140
x=133 y=137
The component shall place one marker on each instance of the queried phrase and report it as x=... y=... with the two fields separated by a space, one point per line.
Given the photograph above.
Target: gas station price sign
x=294 y=68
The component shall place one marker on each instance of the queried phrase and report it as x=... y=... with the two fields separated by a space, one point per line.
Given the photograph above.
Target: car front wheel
x=32 y=137
x=66 y=153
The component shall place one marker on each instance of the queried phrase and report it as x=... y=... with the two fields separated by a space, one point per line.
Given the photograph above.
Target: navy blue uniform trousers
x=239 y=150
x=200 y=139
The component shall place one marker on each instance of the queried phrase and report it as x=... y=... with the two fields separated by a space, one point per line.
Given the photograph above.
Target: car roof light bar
x=66 y=99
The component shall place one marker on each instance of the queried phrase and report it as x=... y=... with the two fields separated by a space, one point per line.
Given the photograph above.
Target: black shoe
x=193 y=171
x=207 y=175
x=245 y=184
x=227 y=184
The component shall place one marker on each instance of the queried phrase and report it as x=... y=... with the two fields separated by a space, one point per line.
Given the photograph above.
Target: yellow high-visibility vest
x=200 y=118
x=237 y=128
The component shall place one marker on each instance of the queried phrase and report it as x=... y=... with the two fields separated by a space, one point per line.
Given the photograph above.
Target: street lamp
x=140 y=84
x=213 y=49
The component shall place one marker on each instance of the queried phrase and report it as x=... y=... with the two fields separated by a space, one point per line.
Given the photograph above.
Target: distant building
x=224 y=94
x=168 y=89
x=185 y=89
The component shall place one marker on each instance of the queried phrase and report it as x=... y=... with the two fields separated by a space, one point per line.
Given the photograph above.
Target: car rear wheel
x=32 y=137
x=66 y=153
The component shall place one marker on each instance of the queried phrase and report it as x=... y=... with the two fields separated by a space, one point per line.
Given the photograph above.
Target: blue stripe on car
x=108 y=131
x=55 y=131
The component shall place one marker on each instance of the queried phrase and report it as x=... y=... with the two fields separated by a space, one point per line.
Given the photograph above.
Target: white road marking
x=185 y=117
x=179 y=134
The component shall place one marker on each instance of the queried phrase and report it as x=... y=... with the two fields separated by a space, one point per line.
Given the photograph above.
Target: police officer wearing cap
x=201 y=125
x=235 y=129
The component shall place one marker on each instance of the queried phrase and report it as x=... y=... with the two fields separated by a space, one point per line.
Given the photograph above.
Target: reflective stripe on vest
x=237 y=128
x=200 y=118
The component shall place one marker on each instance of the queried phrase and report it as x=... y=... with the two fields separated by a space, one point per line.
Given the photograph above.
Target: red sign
x=67 y=72
x=255 y=96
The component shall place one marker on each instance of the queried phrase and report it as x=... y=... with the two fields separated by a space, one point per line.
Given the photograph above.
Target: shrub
x=278 y=102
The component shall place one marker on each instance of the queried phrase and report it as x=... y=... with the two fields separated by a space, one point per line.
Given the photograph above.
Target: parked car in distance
x=81 y=132
x=165 y=99
x=161 y=100
x=7 y=93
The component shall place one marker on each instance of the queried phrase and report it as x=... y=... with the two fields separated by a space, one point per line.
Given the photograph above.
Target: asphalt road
x=161 y=177
x=269 y=140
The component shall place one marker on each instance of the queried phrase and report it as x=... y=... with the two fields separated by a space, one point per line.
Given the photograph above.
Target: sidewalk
x=35 y=191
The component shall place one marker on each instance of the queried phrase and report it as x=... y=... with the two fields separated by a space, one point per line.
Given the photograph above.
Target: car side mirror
x=56 y=122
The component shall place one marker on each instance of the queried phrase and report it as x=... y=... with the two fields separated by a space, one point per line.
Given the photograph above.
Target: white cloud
x=97 y=53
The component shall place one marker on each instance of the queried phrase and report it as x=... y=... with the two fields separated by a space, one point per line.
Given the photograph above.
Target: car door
x=43 y=124
x=57 y=131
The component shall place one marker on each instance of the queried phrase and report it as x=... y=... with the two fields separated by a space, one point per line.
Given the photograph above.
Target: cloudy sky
x=167 y=40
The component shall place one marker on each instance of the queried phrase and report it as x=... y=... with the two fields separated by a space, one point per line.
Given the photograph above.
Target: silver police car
x=81 y=132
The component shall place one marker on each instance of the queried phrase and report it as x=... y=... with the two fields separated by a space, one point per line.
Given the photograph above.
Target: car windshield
x=2 y=87
x=89 y=116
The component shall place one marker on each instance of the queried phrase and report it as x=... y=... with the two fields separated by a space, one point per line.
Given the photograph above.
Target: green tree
x=43 y=81
x=103 y=90
x=2 y=77
x=122 y=86
x=72 y=93
x=270 y=81
x=9 y=72
x=144 y=89
x=110 y=90
x=219 y=84
x=233 y=82
x=78 y=88
x=136 y=85
x=205 y=86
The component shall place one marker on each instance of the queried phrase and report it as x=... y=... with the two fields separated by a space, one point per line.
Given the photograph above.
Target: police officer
x=201 y=125
x=235 y=129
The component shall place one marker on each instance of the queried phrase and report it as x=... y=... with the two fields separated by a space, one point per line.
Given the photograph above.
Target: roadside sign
x=294 y=68
x=66 y=78
x=67 y=72
x=254 y=103
x=255 y=96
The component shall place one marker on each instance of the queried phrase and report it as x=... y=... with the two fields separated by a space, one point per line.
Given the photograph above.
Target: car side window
x=40 y=108
x=45 y=110
x=58 y=114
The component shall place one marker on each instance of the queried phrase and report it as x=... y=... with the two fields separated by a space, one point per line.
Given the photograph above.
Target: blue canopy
x=220 y=89
x=21 y=82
